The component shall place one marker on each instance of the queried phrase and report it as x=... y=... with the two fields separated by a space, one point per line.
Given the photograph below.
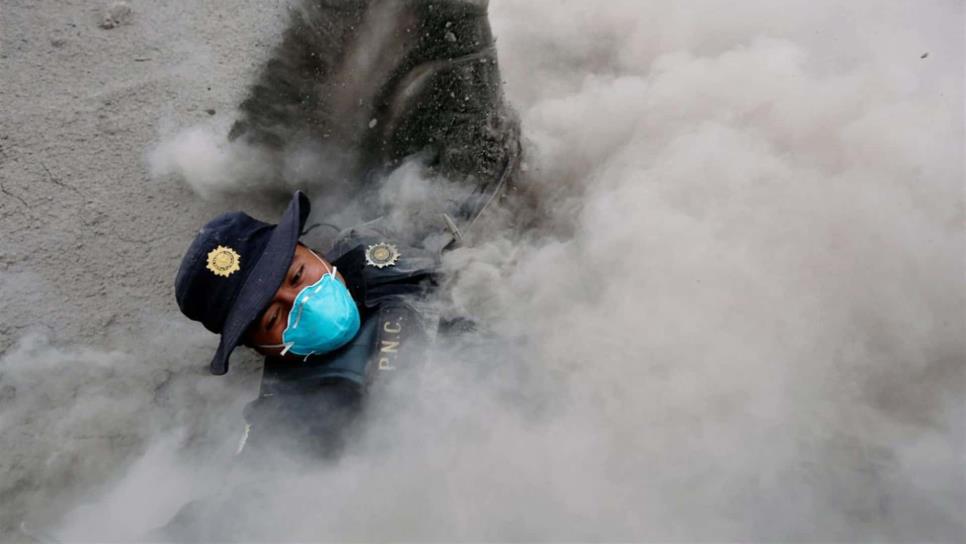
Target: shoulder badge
x=223 y=261
x=381 y=255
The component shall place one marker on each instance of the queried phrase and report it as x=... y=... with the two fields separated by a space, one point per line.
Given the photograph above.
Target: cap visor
x=263 y=281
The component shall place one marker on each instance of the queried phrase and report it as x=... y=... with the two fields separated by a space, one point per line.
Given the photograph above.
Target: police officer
x=328 y=324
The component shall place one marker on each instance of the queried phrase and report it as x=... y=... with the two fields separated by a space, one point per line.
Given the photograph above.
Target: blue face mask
x=323 y=318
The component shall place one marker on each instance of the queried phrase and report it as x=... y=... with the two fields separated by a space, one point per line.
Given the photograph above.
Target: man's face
x=306 y=268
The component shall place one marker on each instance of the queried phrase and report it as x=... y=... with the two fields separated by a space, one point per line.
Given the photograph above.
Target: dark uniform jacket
x=310 y=406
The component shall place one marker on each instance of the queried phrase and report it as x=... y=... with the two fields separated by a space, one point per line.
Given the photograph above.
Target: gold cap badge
x=223 y=261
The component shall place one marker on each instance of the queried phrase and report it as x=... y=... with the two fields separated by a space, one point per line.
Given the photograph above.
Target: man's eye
x=298 y=276
x=272 y=320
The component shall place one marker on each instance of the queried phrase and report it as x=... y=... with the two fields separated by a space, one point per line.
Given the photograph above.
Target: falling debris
x=115 y=15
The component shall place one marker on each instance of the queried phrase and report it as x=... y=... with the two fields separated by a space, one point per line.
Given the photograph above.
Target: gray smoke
x=741 y=319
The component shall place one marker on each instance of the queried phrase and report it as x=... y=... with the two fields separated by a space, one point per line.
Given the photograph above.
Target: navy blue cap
x=232 y=270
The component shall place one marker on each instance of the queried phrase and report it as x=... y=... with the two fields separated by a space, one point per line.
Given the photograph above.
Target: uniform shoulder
x=383 y=250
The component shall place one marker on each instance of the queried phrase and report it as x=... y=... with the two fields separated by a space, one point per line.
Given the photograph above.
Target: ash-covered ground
x=741 y=318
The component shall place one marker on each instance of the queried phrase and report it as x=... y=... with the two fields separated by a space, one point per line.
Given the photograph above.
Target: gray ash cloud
x=740 y=318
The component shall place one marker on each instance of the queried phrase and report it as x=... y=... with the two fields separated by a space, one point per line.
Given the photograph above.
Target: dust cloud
x=740 y=318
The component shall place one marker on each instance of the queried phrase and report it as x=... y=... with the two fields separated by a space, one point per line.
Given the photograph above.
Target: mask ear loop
x=328 y=271
x=287 y=346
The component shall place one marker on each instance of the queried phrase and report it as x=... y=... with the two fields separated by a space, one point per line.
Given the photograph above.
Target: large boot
x=365 y=84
